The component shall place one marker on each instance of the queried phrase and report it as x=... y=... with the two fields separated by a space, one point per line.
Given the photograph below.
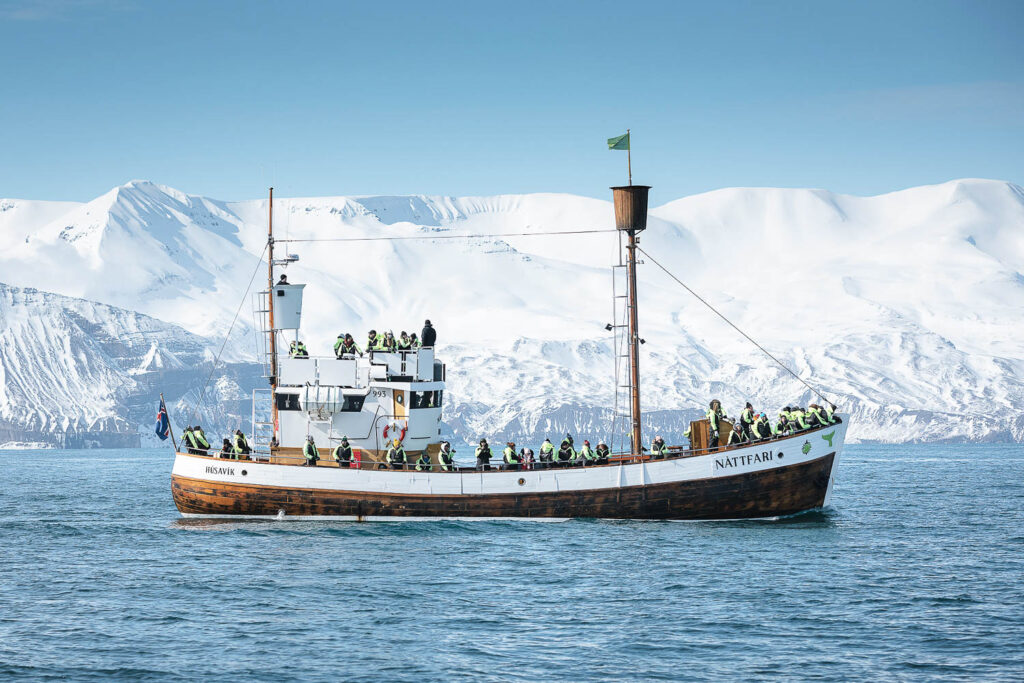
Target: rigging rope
x=213 y=369
x=720 y=315
x=446 y=237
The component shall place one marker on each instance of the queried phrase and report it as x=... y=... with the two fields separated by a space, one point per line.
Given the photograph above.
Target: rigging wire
x=446 y=237
x=213 y=369
x=720 y=315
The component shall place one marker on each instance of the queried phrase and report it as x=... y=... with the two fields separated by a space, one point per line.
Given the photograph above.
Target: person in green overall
x=343 y=453
x=201 y=443
x=510 y=457
x=310 y=452
x=445 y=457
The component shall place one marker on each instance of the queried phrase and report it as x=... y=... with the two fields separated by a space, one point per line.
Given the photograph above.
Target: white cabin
x=371 y=399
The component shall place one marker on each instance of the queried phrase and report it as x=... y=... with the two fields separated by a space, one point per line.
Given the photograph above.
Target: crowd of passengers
x=751 y=427
x=345 y=345
x=755 y=426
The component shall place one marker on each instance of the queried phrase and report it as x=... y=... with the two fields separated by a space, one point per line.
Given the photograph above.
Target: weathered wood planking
x=766 y=493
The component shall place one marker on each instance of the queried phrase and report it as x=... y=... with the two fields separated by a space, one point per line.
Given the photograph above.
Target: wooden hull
x=769 y=479
x=767 y=493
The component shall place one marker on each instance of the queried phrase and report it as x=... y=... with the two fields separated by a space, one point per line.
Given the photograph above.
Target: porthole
x=780 y=454
x=522 y=482
x=244 y=473
x=400 y=397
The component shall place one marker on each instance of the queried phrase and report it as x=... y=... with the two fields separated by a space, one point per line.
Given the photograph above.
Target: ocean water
x=916 y=574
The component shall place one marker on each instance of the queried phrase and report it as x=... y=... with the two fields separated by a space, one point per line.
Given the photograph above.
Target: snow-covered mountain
x=78 y=373
x=904 y=308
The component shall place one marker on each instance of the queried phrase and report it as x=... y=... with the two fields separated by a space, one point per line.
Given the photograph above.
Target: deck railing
x=672 y=453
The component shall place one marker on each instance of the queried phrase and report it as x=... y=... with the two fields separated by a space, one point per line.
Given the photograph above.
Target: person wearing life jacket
x=566 y=454
x=782 y=426
x=821 y=415
x=372 y=341
x=715 y=416
x=348 y=347
x=798 y=417
x=403 y=343
x=414 y=340
x=761 y=429
x=483 y=456
x=190 y=441
x=445 y=457
x=227 y=451
x=815 y=417
x=830 y=412
x=298 y=350
x=547 y=454
x=510 y=458
x=201 y=443
x=587 y=454
x=240 y=445
x=428 y=335
x=395 y=456
x=389 y=341
x=747 y=420
x=310 y=452
x=601 y=453
x=423 y=462
x=736 y=436
x=658 y=449
x=342 y=453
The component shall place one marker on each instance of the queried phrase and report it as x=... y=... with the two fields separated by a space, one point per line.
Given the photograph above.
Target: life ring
x=401 y=431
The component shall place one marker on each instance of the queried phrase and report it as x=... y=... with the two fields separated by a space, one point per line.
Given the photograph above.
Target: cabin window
x=352 y=404
x=287 y=401
x=426 y=399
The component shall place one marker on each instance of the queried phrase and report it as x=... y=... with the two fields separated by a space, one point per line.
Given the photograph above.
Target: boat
x=386 y=397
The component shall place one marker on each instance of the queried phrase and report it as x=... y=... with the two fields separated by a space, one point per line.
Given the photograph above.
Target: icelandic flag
x=163 y=425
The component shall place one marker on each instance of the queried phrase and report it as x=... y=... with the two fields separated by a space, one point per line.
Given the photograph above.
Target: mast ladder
x=622 y=417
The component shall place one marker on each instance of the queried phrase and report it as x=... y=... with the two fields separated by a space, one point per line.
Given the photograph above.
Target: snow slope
x=77 y=373
x=904 y=308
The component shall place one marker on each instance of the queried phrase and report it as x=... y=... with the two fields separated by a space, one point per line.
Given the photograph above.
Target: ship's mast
x=272 y=346
x=631 y=218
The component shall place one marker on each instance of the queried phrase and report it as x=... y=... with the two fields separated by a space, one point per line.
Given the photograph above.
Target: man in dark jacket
x=343 y=453
x=428 y=335
x=483 y=456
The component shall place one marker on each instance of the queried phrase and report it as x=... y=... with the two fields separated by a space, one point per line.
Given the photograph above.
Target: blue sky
x=224 y=98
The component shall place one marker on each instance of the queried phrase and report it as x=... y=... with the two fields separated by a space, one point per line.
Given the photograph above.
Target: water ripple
x=908 y=578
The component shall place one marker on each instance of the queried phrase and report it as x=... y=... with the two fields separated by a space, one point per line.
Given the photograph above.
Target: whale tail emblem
x=828 y=437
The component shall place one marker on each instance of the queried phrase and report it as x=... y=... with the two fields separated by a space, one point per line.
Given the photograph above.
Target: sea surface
x=916 y=574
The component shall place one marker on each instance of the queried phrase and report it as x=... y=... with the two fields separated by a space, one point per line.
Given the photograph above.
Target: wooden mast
x=631 y=217
x=634 y=346
x=272 y=347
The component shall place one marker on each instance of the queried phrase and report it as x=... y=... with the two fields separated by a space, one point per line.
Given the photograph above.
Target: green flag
x=621 y=142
